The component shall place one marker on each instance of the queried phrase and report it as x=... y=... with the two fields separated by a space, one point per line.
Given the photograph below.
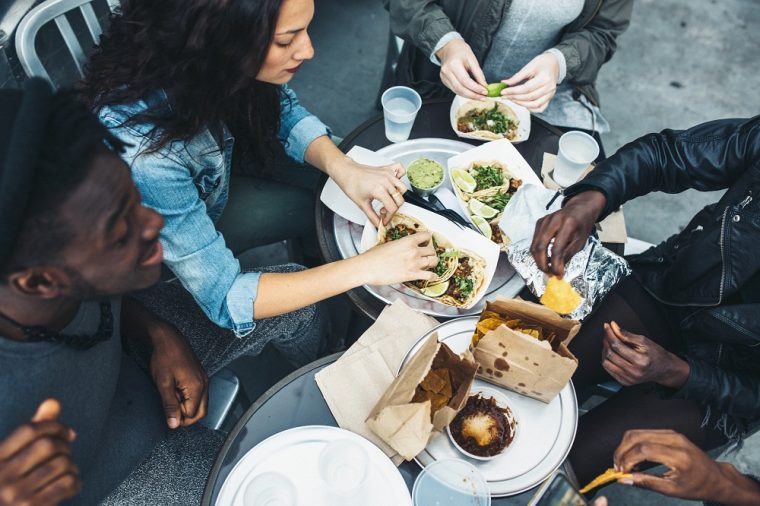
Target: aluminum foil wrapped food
x=592 y=272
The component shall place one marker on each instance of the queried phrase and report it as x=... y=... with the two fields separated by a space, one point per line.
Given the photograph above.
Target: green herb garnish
x=491 y=120
x=465 y=286
x=442 y=266
x=498 y=201
x=487 y=176
x=396 y=233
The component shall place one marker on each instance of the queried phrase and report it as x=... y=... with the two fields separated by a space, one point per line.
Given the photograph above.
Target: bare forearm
x=324 y=155
x=281 y=293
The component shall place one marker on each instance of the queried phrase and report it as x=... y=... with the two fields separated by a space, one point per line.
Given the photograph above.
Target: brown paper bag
x=521 y=363
x=406 y=426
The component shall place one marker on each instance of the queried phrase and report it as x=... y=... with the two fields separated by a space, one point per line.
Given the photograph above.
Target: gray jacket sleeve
x=588 y=46
x=421 y=23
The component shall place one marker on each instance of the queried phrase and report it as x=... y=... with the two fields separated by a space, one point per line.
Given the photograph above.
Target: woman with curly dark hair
x=182 y=82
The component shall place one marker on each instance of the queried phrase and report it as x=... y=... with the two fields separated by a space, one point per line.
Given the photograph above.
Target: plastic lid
x=451 y=482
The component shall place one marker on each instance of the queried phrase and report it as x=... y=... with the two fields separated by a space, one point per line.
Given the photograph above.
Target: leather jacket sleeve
x=587 y=47
x=737 y=395
x=710 y=156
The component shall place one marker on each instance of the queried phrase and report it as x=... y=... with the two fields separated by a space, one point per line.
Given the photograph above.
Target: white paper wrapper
x=463 y=238
x=502 y=151
x=529 y=204
x=592 y=272
x=523 y=115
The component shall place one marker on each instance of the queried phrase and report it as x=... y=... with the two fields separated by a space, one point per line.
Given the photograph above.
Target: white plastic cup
x=270 y=489
x=576 y=151
x=451 y=482
x=400 y=108
x=343 y=467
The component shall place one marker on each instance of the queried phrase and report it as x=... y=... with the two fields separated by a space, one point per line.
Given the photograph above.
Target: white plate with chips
x=542 y=442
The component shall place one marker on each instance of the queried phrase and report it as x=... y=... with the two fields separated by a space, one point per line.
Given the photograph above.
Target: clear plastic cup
x=451 y=482
x=343 y=467
x=270 y=489
x=576 y=151
x=400 y=108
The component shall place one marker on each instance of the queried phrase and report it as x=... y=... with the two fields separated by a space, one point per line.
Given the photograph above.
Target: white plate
x=523 y=115
x=460 y=238
x=544 y=437
x=295 y=453
x=348 y=235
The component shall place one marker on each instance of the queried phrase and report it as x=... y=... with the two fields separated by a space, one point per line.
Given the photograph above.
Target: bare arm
x=395 y=262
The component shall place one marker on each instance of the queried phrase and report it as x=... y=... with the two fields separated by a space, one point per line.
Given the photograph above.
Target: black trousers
x=639 y=407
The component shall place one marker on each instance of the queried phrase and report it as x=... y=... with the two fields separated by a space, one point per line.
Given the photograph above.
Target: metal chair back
x=56 y=10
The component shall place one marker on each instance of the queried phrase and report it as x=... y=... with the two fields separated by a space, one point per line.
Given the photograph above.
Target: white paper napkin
x=525 y=208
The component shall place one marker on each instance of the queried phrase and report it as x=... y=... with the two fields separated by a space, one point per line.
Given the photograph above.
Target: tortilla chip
x=559 y=296
x=436 y=388
x=606 y=477
x=437 y=381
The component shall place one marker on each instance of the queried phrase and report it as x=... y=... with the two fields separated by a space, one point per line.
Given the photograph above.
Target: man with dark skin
x=78 y=413
x=681 y=334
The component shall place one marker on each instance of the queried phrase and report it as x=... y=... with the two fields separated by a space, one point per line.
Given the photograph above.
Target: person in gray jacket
x=548 y=53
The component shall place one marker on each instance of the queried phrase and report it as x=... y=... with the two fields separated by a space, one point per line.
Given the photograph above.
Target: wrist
x=443 y=53
x=677 y=373
x=592 y=202
x=160 y=334
x=358 y=271
x=338 y=167
x=735 y=488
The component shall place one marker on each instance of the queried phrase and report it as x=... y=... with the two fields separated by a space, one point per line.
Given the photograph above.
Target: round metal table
x=432 y=121
x=293 y=402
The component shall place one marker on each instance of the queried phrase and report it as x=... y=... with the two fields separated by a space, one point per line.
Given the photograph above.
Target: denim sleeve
x=298 y=127
x=193 y=249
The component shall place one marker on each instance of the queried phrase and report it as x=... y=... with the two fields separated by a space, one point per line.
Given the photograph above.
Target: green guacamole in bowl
x=425 y=175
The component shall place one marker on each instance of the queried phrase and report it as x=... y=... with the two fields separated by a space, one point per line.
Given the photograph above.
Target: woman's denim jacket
x=188 y=183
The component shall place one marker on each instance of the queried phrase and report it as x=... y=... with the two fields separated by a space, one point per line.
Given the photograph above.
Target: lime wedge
x=483 y=210
x=436 y=291
x=495 y=89
x=463 y=180
x=482 y=225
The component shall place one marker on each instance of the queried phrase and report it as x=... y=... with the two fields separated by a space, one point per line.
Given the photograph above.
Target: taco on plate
x=488 y=120
x=466 y=280
x=402 y=225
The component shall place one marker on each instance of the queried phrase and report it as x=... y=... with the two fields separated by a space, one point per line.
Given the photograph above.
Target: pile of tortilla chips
x=436 y=388
x=559 y=296
x=491 y=320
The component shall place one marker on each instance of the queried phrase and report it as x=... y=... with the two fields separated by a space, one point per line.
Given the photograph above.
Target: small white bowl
x=502 y=402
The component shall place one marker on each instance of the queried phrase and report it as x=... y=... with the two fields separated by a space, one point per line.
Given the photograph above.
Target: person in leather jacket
x=682 y=335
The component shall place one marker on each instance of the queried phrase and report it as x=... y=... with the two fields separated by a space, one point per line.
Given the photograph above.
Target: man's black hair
x=71 y=138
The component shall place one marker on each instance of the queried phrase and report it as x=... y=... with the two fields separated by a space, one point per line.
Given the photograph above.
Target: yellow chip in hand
x=559 y=296
x=606 y=477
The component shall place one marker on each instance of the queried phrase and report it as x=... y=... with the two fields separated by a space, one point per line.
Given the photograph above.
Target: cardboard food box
x=520 y=362
x=406 y=426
